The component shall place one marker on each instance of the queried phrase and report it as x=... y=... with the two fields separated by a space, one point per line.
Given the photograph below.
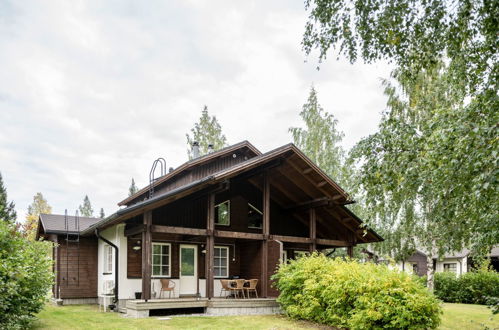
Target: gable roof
x=191 y=163
x=329 y=187
x=56 y=223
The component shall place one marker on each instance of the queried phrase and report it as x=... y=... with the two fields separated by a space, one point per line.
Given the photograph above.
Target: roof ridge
x=192 y=162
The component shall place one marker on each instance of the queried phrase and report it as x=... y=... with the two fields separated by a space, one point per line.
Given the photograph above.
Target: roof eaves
x=353 y=215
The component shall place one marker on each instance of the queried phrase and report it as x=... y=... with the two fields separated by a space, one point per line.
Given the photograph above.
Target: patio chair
x=225 y=287
x=252 y=287
x=167 y=285
x=239 y=288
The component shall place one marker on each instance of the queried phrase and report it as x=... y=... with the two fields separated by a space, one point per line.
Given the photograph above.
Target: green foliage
x=414 y=34
x=7 y=210
x=348 y=294
x=133 y=188
x=101 y=213
x=207 y=131
x=86 y=209
x=430 y=173
x=477 y=287
x=320 y=139
x=25 y=277
x=39 y=206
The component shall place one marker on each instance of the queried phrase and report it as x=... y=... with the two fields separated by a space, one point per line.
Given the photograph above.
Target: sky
x=91 y=92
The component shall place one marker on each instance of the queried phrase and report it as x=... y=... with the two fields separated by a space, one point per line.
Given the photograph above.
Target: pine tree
x=7 y=210
x=320 y=139
x=207 y=131
x=101 y=214
x=133 y=188
x=36 y=208
x=86 y=209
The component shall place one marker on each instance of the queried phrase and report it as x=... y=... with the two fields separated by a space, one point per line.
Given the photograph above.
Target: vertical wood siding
x=77 y=269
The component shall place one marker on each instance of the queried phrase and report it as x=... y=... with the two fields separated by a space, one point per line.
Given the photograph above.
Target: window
x=108 y=259
x=255 y=217
x=415 y=268
x=450 y=267
x=221 y=262
x=161 y=259
x=300 y=254
x=222 y=213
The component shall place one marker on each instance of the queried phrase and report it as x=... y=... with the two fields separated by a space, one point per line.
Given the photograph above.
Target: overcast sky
x=91 y=92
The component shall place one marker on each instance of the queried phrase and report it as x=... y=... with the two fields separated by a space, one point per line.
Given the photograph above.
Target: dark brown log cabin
x=240 y=212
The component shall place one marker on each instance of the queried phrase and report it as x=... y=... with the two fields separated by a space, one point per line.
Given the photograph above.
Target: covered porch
x=214 y=306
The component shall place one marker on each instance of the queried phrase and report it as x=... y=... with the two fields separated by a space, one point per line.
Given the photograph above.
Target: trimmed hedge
x=470 y=288
x=25 y=277
x=348 y=294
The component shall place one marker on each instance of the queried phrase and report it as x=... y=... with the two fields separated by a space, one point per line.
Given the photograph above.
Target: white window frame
x=284 y=256
x=450 y=270
x=161 y=258
x=261 y=213
x=108 y=259
x=226 y=248
x=228 y=212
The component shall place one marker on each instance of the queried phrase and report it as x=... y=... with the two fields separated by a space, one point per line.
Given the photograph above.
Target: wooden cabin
x=233 y=213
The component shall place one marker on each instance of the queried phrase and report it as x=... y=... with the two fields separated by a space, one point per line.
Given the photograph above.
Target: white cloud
x=92 y=92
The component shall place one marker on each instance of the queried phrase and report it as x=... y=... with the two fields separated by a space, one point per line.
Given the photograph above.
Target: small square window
x=222 y=214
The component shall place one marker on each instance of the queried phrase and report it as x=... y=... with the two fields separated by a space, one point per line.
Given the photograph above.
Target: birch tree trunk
x=430 y=272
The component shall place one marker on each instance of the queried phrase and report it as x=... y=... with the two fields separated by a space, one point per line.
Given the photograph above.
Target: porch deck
x=214 y=306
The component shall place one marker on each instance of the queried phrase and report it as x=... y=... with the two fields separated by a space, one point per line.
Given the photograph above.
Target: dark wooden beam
x=135 y=230
x=178 y=230
x=318 y=202
x=291 y=239
x=210 y=245
x=266 y=233
x=313 y=229
x=241 y=235
x=332 y=242
x=146 y=256
x=350 y=251
x=307 y=170
x=321 y=184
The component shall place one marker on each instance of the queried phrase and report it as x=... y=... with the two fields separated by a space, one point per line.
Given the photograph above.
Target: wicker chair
x=225 y=287
x=238 y=288
x=167 y=285
x=252 y=287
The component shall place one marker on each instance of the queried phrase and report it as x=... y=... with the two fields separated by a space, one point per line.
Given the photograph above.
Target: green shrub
x=348 y=294
x=25 y=278
x=470 y=288
x=446 y=287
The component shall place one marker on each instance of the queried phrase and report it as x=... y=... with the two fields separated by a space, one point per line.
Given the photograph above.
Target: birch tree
x=37 y=207
x=429 y=174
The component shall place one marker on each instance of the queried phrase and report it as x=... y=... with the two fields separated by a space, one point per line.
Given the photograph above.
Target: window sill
x=164 y=276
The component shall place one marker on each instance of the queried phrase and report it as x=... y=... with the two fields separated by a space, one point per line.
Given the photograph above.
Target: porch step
x=122 y=310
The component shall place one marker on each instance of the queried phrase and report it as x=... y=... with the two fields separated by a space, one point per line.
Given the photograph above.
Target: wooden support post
x=266 y=233
x=350 y=251
x=313 y=229
x=210 y=245
x=146 y=256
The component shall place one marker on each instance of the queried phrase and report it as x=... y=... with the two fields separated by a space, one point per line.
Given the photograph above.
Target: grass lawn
x=456 y=316
x=463 y=316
